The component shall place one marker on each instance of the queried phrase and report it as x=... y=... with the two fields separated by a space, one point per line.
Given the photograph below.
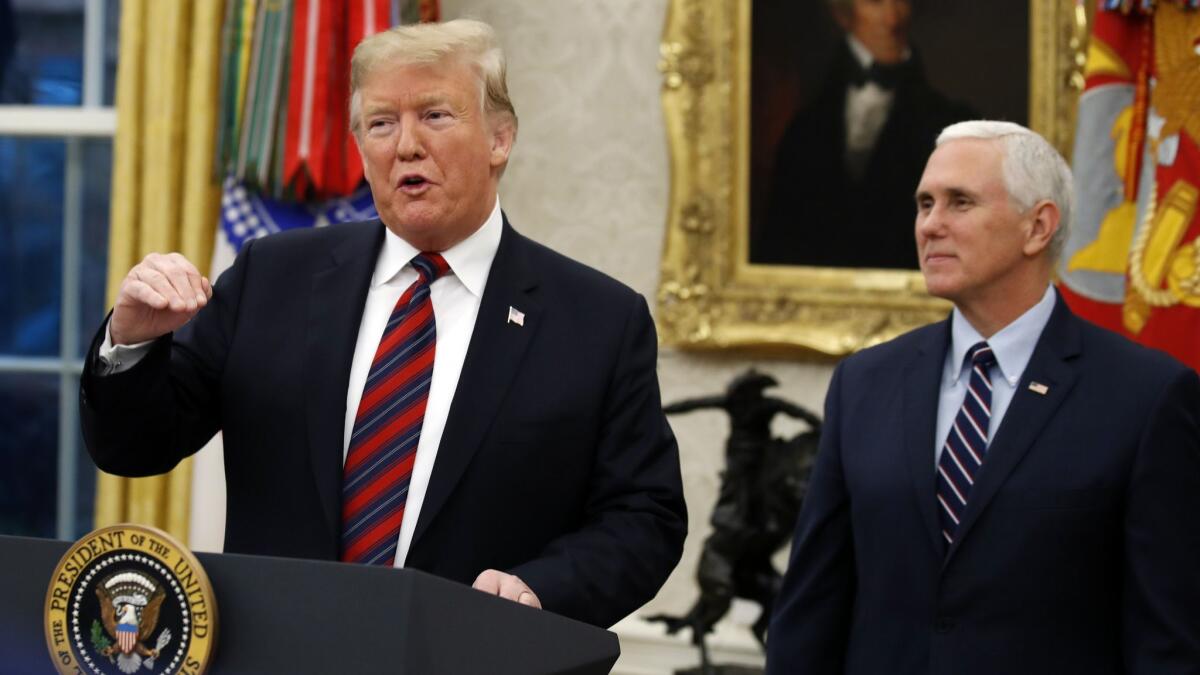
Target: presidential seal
x=130 y=599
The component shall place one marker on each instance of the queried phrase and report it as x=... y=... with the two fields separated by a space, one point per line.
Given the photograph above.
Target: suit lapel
x=922 y=378
x=493 y=359
x=1027 y=414
x=334 y=315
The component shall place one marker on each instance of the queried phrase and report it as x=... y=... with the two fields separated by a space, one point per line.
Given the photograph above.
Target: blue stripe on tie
x=375 y=508
x=396 y=453
x=397 y=358
x=392 y=408
x=382 y=551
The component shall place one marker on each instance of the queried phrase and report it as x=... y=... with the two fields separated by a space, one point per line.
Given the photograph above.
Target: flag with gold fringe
x=1132 y=260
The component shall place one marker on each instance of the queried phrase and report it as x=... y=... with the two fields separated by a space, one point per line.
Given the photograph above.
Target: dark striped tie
x=383 y=445
x=966 y=444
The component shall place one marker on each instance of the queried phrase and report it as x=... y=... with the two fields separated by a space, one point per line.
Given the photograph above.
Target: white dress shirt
x=1013 y=346
x=455 y=296
x=867 y=109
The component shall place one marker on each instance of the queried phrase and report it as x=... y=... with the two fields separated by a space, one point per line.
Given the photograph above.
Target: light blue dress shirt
x=1013 y=346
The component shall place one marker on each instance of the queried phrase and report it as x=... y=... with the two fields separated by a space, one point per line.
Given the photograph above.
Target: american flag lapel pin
x=516 y=316
x=1038 y=388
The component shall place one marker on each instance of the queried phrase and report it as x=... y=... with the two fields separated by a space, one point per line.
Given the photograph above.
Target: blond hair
x=464 y=40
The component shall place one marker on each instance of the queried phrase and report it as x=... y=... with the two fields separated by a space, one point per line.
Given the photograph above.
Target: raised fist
x=159 y=294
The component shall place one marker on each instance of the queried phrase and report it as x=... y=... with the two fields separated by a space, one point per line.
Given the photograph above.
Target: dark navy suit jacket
x=1079 y=551
x=556 y=464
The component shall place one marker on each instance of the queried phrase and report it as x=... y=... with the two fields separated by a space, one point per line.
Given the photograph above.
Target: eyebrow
x=433 y=98
x=420 y=101
x=950 y=191
x=376 y=108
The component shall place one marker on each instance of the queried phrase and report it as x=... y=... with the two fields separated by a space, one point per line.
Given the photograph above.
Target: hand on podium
x=159 y=294
x=507 y=586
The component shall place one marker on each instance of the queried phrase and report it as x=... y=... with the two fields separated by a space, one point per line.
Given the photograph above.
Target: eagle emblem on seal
x=129 y=607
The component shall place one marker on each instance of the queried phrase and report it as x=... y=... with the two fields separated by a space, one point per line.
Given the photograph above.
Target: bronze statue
x=764 y=481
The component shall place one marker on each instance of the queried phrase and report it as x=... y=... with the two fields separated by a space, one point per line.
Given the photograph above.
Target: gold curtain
x=164 y=196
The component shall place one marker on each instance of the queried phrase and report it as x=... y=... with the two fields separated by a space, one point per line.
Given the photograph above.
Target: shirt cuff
x=115 y=359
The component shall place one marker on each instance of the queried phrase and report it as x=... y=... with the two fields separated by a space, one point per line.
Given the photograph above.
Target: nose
x=930 y=223
x=410 y=146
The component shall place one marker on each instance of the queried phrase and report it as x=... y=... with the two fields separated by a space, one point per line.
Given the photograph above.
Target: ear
x=504 y=134
x=1042 y=224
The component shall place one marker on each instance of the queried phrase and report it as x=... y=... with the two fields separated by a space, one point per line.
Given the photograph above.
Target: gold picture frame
x=709 y=295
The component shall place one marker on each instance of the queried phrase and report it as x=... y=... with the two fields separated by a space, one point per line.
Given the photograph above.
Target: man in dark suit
x=431 y=390
x=845 y=168
x=1012 y=490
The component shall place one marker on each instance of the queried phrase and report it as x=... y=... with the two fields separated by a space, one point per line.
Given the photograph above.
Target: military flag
x=1132 y=261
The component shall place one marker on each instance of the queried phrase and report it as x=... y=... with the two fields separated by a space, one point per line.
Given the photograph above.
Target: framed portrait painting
x=798 y=134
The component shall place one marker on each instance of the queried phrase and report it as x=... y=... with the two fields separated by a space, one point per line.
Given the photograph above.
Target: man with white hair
x=428 y=390
x=1012 y=490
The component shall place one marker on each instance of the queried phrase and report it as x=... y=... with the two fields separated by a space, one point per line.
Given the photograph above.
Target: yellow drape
x=164 y=197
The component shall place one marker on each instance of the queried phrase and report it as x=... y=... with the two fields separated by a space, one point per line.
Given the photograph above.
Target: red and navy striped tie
x=387 y=426
x=966 y=444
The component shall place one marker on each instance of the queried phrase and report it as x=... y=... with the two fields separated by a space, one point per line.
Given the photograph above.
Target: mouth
x=413 y=184
x=937 y=257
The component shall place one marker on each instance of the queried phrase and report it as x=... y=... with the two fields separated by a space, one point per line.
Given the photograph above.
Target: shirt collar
x=470 y=259
x=1013 y=345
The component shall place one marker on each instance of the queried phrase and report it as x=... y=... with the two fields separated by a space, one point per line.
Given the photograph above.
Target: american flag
x=516 y=316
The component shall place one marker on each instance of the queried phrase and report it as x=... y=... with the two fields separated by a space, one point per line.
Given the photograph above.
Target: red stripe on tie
x=377 y=484
x=381 y=390
x=407 y=326
x=363 y=452
x=388 y=527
